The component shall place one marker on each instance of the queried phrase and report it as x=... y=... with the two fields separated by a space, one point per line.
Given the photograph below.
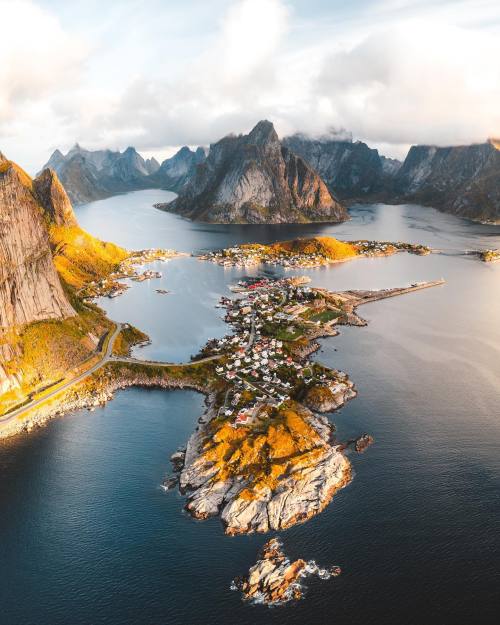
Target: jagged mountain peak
x=29 y=286
x=263 y=133
x=254 y=179
x=54 y=199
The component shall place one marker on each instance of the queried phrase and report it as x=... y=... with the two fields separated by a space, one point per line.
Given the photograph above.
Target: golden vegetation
x=262 y=454
x=81 y=258
x=127 y=338
x=47 y=351
x=327 y=247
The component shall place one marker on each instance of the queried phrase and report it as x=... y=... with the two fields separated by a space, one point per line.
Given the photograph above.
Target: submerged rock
x=274 y=580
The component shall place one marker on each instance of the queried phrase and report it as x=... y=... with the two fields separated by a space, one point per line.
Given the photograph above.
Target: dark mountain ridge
x=255 y=179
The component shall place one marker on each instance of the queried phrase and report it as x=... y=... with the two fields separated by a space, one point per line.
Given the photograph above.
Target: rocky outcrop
x=255 y=179
x=30 y=289
x=463 y=180
x=90 y=175
x=274 y=580
x=175 y=172
x=350 y=169
x=262 y=481
x=54 y=200
x=331 y=395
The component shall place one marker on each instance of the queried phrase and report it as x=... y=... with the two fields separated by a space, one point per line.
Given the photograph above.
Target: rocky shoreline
x=82 y=399
x=307 y=486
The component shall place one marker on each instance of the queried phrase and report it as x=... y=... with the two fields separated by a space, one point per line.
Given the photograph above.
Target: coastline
x=280 y=464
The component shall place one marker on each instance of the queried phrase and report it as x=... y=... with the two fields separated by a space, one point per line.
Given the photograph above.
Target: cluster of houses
x=257 y=364
x=111 y=287
x=237 y=256
x=382 y=248
x=252 y=255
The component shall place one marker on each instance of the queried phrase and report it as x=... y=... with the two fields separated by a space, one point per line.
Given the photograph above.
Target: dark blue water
x=88 y=537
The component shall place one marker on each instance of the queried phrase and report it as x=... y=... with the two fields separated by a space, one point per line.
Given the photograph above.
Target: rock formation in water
x=350 y=169
x=463 y=180
x=90 y=175
x=255 y=179
x=175 y=172
x=274 y=580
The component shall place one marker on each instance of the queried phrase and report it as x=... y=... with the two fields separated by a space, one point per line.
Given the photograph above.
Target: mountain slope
x=45 y=329
x=350 y=169
x=254 y=179
x=79 y=257
x=175 y=172
x=90 y=175
x=463 y=180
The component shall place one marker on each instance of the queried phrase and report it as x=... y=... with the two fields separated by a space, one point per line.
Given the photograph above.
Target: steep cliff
x=78 y=257
x=463 y=180
x=350 y=169
x=255 y=179
x=30 y=289
x=45 y=330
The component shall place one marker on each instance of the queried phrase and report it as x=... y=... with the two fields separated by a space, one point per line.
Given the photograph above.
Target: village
x=262 y=360
x=301 y=253
x=129 y=269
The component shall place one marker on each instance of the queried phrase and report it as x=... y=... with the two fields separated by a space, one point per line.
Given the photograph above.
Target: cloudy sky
x=158 y=74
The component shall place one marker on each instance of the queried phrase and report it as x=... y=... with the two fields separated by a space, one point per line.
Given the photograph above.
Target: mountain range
x=258 y=178
x=255 y=178
x=92 y=175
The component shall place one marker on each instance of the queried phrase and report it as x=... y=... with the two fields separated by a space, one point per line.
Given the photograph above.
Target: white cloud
x=394 y=72
x=38 y=57
x=418 y=82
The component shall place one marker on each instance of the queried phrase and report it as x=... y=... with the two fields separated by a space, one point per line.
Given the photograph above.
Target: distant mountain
x=255 y=179
x=463 y=180
x=175 y=172
x=90 y=175
x=351 y=170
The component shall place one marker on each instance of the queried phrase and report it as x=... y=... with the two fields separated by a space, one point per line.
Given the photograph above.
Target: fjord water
x=87 y=535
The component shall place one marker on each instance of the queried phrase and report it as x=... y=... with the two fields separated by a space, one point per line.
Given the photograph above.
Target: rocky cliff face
x=351 y=170
x=463 y=180
x=255 y=179
x=30 y=289
x=54 y=200
x=90 y=175
x=174 y=173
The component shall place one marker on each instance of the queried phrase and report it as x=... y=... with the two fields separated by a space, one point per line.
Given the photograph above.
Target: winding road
x=106 y=358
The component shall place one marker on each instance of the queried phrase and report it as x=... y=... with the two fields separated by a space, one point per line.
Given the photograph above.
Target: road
x=106 y=358
x=60 y=388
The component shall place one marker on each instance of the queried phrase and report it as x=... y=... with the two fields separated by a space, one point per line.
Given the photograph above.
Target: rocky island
x=489 y=256
x=274 y=580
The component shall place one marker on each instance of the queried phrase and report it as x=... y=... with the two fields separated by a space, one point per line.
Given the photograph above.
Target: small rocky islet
x=275 y=580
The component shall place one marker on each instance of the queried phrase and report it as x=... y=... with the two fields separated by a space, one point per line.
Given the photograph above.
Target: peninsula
x=309 y=252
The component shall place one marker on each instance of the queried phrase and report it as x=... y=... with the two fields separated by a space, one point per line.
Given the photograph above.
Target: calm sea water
x=88 y=537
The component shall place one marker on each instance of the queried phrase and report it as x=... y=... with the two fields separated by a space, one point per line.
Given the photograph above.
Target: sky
x=159 y=74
